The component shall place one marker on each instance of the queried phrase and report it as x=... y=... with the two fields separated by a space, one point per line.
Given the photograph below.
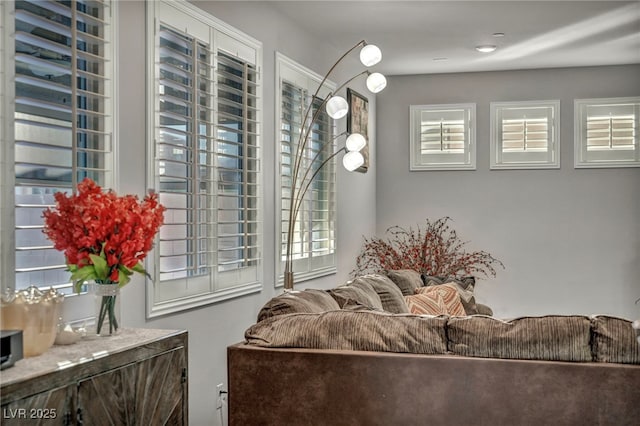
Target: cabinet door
x=53 y=407
x=152 y=391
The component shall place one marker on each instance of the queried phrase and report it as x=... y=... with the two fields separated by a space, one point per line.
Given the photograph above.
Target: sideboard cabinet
x=138 y=377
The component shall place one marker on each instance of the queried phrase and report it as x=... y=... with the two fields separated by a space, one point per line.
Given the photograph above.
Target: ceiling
x=537 y=34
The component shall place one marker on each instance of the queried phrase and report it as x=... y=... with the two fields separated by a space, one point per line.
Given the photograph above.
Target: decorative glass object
x=35 y=313
x=107 y=308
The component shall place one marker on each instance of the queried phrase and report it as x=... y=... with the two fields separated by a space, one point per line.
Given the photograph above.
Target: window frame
x=308 y=80
x=170 y=296
x=470 y=145
x=580 y=149
x=496 y=145
x=75 y=307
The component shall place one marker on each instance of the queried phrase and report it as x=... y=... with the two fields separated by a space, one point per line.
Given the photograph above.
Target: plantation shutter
x=442 y=137
x=442 y=132
x=238 y=162
x=526 y=135
x=63 y=122
x=183 y=152
x=609 y=131
x=207 y=157
x=314 y=232
x=612 y=127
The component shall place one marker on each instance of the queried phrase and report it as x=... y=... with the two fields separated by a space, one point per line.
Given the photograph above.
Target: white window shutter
x=314 y=235
x=525 y=135
x=63 y=121
x=606 y=132
x=206 y=127
x=442 y=137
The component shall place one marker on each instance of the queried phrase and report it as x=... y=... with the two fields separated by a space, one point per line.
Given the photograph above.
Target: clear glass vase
x=107 y=308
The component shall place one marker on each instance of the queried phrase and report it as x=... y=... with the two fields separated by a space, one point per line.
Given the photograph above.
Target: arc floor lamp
x=303 y=173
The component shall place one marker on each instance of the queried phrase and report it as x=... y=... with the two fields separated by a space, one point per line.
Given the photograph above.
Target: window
x=525 y=135
x=206 y=158
x=57 y=119
x=442 y=137
x=606 y=132
x=314 y=236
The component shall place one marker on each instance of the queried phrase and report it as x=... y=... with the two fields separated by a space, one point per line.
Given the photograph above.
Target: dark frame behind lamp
x=358 y=122
x=336 y=107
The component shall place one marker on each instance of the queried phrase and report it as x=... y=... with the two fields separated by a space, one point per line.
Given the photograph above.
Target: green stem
x=103 y=311
x=108 y=307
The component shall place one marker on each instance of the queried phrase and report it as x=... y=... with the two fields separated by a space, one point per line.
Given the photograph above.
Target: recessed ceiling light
x=440 y=59
x=498 y=34
x=486 y=48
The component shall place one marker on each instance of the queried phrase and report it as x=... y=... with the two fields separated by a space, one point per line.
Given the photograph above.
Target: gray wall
x=569 y=238
x=214 y=327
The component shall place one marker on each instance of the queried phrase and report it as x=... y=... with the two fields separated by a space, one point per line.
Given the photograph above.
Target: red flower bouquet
x=104 y=237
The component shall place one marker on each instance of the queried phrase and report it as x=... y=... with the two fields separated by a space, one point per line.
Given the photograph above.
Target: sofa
x=369 y=353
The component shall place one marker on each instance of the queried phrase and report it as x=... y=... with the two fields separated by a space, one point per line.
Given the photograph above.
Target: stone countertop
x=86 y=349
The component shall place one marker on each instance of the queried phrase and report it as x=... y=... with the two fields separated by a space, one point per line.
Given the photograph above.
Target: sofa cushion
x=552 y=338
x=310 y=301
x=407 y=280
x=352 y=330
x=449 y=295
x=356 y=295
x=484 y=310
x=465 y=287
x=390 y=295
x=614 y=340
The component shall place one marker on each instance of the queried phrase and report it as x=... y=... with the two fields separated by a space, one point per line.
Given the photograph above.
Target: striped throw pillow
x=429 y=304
x=450 y=298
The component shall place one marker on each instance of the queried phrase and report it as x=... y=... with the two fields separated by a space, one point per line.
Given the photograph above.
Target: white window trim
x=310 y=80
x=580 y=138
x=495 y=131
x=7 y=170
x=414 y=164
x=156 y=304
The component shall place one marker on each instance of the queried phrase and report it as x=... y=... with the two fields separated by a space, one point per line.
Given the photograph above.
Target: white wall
x=214 y=327
x=570 y=239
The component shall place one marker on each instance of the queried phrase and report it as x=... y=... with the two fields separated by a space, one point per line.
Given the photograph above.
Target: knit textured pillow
x=450 y=298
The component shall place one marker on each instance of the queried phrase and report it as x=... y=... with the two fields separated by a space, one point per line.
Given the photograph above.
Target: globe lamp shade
x=337 y=107
x=370 y=55
x=376 y=82
x=352 y=160
x=355 y=142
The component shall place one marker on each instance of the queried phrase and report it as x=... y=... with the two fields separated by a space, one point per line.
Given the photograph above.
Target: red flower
x=119 y=230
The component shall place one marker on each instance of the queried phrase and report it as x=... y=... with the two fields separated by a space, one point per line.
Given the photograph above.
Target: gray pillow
x=407 y=280
x=389 y=293
x=306 y=301
x=356 y=295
